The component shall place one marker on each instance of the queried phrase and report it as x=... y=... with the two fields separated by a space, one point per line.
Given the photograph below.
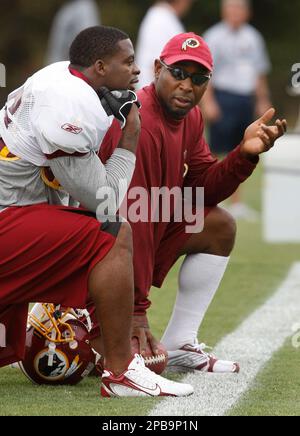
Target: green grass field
x=255 y=271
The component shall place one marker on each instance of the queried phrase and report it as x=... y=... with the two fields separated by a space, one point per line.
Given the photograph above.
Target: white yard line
x=253 y=344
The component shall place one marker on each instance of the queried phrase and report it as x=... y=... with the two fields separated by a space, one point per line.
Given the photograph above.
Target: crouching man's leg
x=207 y=256
x=112 y=291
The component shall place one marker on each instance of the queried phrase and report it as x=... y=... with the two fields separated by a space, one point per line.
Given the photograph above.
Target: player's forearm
x=128 y=142
x=119 y=171
x=84 y=177
x=131 y=132
x=221 y=179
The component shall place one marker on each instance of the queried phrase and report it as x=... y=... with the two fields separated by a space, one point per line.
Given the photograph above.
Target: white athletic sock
x=199 y=278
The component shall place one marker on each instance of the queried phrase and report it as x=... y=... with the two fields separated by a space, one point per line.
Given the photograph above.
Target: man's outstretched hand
x=259 y=137
x=141 y=331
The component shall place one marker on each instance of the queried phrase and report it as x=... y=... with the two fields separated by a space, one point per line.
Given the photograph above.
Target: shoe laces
x=141 y=373
x=201 y=348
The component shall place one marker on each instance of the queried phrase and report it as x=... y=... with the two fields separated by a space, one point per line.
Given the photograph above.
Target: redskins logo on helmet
x=57 y=349
x=191 y=43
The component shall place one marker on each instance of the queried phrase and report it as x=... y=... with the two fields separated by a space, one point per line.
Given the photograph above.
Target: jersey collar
x=80 y=75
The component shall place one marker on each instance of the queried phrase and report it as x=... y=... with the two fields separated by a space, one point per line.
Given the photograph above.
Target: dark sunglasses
x=198 y=79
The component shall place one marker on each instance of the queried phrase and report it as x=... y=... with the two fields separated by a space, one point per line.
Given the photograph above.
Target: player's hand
x=259 y=137
x=141 y=331
x=131 y=132
x=133 y=123
x=118 y=103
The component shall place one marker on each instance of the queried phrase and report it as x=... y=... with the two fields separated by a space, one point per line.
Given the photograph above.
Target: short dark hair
x=94 y=43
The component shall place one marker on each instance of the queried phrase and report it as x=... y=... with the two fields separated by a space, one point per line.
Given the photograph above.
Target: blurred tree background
x=25 y=26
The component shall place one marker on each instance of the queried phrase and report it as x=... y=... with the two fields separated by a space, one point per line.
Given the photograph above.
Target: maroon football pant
x=46 y=255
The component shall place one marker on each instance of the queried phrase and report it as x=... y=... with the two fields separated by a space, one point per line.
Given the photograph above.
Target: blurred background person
x=73 y=17
x=160 y=24
x=239 y=90
x=293 y=90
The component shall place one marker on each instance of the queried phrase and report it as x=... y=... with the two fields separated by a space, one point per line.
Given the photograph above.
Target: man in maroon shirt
x=172 y=153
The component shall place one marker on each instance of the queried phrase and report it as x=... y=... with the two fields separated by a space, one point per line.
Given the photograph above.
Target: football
x=155 y=363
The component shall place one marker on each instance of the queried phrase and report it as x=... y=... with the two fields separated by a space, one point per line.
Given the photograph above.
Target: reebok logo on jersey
x=71 y=129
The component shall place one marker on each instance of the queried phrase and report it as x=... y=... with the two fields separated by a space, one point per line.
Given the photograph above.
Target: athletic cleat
x=193 y=357
x=139 y=381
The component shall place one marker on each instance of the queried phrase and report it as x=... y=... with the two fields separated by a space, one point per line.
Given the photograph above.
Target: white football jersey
x=53 y=114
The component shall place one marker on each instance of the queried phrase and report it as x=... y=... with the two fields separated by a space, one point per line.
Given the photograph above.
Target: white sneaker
x=193 y=357
x=139 y=381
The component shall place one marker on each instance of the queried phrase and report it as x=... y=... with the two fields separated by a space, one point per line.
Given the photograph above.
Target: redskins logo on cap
x=191 y=43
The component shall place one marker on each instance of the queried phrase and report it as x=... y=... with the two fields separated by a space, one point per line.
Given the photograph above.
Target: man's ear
x=157 y=68
x=100 y=67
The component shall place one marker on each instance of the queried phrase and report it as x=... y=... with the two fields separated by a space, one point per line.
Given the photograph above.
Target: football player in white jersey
x=50 y=131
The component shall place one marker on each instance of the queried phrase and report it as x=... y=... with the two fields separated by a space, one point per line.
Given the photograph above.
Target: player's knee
x=222 y=228
x=226 y=230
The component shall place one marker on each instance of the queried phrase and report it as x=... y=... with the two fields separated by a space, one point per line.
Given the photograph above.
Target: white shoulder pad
x=69 y=119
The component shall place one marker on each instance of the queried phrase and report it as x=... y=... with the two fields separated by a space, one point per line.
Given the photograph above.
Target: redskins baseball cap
x=187 y=47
